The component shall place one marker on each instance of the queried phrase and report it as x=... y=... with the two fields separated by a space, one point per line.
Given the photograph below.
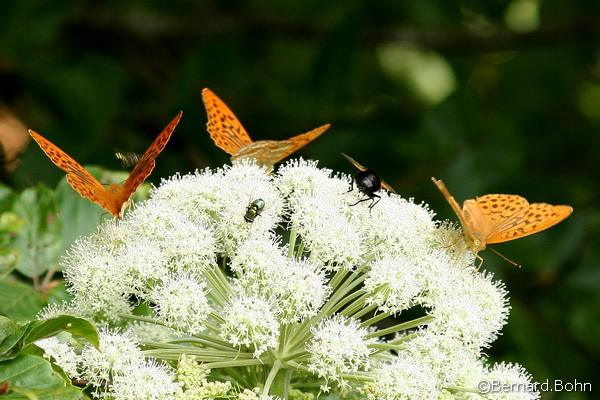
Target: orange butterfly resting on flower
x=497 y=218
x=114 y=196
x=228 y=133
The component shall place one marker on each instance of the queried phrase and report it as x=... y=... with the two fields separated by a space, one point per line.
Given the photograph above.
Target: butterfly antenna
x=505 y=259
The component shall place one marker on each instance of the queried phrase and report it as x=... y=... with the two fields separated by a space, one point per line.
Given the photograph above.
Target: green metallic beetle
x=253 y=210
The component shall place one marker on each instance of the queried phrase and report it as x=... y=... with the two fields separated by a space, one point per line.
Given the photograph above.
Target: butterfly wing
x=265 y=152
x=299 y=141
x=535 y=218
x=223 y=126
x=493 y=211
x=270 y=152
x=452 y=201
x=144 y=167
x=387 y=186
x=354 y=162
x=78 y=177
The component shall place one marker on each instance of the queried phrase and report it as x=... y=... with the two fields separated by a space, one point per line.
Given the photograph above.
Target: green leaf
x=78 y=327
x=6 y=197
x=39 y=243
x=80 y=216
x=8 y=261
x=64 y=393
x=19 y=301
x=35 y=373
x=14 y=338
x=10 y=222
x=11 y=335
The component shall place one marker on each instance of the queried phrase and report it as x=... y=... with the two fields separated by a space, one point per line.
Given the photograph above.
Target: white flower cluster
x=339 y=346
x=308 y=287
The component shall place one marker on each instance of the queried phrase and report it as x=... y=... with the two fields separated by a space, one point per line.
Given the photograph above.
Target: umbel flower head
x=309 y=295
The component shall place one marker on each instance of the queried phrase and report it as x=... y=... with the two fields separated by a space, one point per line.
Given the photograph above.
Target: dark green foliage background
x=524 y=117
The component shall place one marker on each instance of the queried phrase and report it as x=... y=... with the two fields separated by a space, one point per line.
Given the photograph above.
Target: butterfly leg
x=480 y=262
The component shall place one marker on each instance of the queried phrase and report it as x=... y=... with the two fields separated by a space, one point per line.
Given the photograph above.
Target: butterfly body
x=115 y=196
x=498 y=218
x=229 y=134
x=367 y=182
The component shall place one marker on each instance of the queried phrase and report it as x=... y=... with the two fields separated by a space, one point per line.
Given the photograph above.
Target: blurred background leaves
x=496 y=96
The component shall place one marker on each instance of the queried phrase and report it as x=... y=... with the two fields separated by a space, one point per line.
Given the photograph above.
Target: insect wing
x=223 y=126
x=144 y=167
x=78 y=177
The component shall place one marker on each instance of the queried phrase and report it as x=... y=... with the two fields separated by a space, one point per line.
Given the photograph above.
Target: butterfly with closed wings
x=498 y=218
x=228 y=134
x=113 y=197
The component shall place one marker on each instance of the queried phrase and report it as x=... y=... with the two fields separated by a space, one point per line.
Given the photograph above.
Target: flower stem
x=292 y=242
x=274 y=370
x=300 y=250
x=281 y=384
x=233 y=363
x=401 y=327
x=375 y=319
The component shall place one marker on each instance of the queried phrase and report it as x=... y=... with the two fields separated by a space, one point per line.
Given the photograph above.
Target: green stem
x=274 y=370
x=375 y=319
x=281 y=384
x=217 y=291
x=303 y=332
x=207 y=340
x=357 y=376
x=233 y=363
x=339 y=275
x=300 y=250
x=292 y=242
x=364 y=311
x=291 y=356
x=346 y=300
x=400 y=327
x=386 y=346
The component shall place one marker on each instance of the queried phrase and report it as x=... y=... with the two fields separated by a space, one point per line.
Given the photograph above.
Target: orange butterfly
x=228 y=133
x=497 y=218
x=114 y=196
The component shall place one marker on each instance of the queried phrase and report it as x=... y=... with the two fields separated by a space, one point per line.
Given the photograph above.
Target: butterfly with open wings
x=497 y=218
x=228 y=134
x=113 y=197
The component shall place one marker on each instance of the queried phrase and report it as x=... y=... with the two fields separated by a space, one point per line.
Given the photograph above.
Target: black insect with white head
x=368 y=183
